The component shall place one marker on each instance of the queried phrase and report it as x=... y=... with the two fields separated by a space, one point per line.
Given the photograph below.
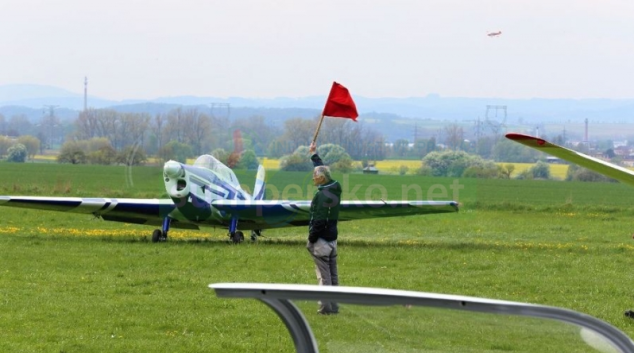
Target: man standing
x=322 y=228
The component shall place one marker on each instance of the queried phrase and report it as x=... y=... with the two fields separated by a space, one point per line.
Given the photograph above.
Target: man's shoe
x=629 y=313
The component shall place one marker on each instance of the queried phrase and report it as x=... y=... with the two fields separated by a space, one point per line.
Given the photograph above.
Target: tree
x=132 y=155
x=484 y=147
x=197 y=128
x=177 y=151
x=331 y=153
x=175 y=127
x=401 y=147
x=3 y=125
x=157 y=127
x=297 y=132
x=105 y=155
x=5 y=143
x=484 y=170
x=277 y=148
x=455 y=136
x=541 y=170
x=577 y=173
x=71 y=152
x=456 y=164
x=297 y=161
x=421 y=148
x=248 y=160
x=447 y=163
x=508 y=151
x=18 y=125
x=259 y=132
x=97 y=144
x=221 y=155
x=31 y=143
x=507 y=170
x=17 y=153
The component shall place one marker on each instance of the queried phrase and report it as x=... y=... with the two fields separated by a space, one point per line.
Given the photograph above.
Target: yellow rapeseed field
x=557 y=171
x=393 y=166
x=45 y=157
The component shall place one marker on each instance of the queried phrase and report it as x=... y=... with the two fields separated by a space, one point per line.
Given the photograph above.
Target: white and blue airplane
x=208 y=194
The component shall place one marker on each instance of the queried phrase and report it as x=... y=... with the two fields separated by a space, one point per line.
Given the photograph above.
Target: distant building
x=554 y=160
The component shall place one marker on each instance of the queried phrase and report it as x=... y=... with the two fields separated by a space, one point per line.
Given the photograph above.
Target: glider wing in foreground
x=608 y=169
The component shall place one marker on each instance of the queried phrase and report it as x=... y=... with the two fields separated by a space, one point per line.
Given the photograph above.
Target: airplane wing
x=265 y=214
x=252 y=214
x=608 y=169
x=138 y=211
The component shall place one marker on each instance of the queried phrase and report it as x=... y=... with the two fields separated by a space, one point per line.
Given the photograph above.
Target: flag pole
x=318 y=127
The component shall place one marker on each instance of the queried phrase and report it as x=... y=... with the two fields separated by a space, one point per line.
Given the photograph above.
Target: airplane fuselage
x=194 y=188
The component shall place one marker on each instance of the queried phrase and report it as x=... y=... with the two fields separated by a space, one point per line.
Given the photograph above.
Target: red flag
x=340 y=103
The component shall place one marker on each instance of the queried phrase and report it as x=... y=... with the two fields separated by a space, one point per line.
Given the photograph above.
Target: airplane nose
x=173 y=170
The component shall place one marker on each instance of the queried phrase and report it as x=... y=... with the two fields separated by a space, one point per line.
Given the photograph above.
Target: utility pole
x=494 y=124
x=49 y=122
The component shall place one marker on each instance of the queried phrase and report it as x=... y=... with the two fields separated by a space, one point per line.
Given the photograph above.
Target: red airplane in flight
x=494 y=34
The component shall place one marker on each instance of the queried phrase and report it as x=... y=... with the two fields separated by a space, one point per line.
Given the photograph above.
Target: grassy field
x=71 y=283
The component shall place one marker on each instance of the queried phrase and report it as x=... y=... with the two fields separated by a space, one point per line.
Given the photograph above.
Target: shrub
x=131 y=155
x=17 y=153
x=451 y=163
x=488 y=170
x=248 y=160
x=577 y=173
x=105 y=155
x=344 y=165
x=296 y=163
x=71 y=152
x=541 y=170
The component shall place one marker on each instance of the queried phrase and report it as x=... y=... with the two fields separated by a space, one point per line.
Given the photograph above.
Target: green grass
x=69 y=283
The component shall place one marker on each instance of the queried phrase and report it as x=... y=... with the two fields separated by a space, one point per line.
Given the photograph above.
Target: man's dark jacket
x=324 y=209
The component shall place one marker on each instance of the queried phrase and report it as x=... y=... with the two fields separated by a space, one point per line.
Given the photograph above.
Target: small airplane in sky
x=608 y=169
x=208 y=194
x=494 y=34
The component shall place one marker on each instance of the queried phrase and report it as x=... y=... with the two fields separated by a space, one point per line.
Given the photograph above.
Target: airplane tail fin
x=260 y=184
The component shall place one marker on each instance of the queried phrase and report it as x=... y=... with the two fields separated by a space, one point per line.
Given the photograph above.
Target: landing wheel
x=158 y=236
x=237 y=237
x=255 y=234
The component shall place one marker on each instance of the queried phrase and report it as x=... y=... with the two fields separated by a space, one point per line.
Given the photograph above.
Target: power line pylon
x=495 y=125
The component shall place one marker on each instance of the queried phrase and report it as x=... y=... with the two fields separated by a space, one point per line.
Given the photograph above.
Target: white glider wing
x=608 y=169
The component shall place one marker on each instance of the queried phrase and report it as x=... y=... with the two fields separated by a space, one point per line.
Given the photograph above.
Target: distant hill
x=393 y=117
x=429 y=107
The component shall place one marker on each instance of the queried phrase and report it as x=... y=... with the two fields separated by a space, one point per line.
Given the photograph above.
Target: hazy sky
x=295 y=48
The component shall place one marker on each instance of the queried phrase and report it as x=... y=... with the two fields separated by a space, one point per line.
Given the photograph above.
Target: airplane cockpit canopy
x=210 y=162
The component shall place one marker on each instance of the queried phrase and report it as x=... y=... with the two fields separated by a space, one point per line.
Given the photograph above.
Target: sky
x=131 y=49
